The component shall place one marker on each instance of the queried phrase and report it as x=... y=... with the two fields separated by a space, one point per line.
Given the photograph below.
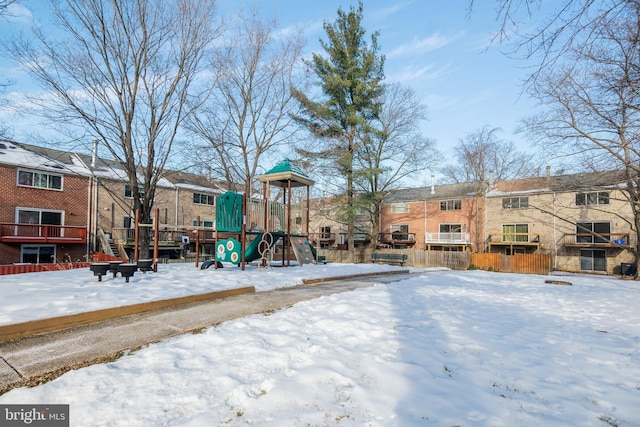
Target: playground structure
x=248 y=230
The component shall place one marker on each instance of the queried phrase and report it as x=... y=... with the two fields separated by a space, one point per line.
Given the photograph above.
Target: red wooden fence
x=36 y=268
x=102 y=257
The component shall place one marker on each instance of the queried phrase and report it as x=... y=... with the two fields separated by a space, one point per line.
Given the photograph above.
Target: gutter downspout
x=94 y=157
x=555 y=240
x=175 y=223
x=89 y=216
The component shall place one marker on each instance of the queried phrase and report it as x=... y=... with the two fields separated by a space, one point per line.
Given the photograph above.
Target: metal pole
x=197 y=240
x=243 y=231
x=156 y=237
x=289 y=223
x=137 y=237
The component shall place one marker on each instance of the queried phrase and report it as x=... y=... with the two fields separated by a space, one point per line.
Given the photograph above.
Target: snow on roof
x=498 y=193
x=14 y=155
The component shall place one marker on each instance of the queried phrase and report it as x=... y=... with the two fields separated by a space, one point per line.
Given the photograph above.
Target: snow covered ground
x=444 y=348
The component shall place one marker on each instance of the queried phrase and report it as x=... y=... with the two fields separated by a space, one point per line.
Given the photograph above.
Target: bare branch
x=249 y=113
x=122 y=72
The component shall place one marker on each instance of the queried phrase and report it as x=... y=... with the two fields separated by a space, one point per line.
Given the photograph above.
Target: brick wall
x=72 y=200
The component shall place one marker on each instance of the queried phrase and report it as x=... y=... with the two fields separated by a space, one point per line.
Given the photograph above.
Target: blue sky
x=440 y=51
x=434 y=47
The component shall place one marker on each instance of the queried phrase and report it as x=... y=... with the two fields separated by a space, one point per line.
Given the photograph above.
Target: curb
x=34 y=327
x=353 y=276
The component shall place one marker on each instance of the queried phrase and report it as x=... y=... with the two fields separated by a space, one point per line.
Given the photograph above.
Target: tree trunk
x=350 y=216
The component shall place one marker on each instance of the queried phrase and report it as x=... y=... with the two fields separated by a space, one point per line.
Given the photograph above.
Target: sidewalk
x=43 y=357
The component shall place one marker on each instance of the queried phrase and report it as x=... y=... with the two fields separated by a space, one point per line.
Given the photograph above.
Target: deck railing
x=600 y=239
x=399 y=239
x=14 y=232
x=448 y=238
x=507 y=238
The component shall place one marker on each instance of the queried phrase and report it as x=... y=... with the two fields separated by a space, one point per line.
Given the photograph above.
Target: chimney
x=548 y=171
x=433 y=184
x=490 y=179
x=94 y=154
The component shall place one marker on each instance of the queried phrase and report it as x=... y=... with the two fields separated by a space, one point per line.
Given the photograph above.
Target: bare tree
x=567 y=26
x=249 y=113
x=4 y=6
x=483 y=157
x=481 y=153
x=392 y=149
x=122 y=73
x=591 y=105
x=4 y=10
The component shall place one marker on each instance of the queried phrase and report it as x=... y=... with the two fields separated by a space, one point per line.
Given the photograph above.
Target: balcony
x=41 y=233
x=514 y=239
x=589 y=240
x=448 y=239
x=397 y=239
x=169 y=238
x=327 y=238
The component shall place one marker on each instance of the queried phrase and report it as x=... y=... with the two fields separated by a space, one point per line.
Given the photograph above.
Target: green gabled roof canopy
x=283 y=173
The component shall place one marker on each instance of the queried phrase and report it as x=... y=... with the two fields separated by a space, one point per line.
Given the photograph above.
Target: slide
x=252 y=252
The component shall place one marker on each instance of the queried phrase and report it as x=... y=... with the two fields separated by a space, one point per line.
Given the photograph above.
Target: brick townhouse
x=441 y=217
x=582 y=220
x=57 y=205
x=43 y=207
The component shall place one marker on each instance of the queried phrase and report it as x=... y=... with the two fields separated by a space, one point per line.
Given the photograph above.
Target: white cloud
x=19 y=14
x=410 y=75
x=386 y=12
x=419 y=46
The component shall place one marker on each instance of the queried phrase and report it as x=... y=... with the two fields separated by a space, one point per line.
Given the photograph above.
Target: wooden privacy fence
x=415 y=257
x=518 y=263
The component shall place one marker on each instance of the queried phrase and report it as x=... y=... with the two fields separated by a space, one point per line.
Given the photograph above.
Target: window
x=38 y=254
x=515 y=202
x=589 y=199
x=450 y=205
x=39 y=180
x=203 y=223
x=516 y=250
x=515 y=232
x=451 y=228
x=203 y=199
x=399 y=207
x=360 y=232
x=593 y=260
x=36 y=216
x=583 y=229
x=325 y=236
x=450 y=233
x=400 y=232
x=128 y=193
